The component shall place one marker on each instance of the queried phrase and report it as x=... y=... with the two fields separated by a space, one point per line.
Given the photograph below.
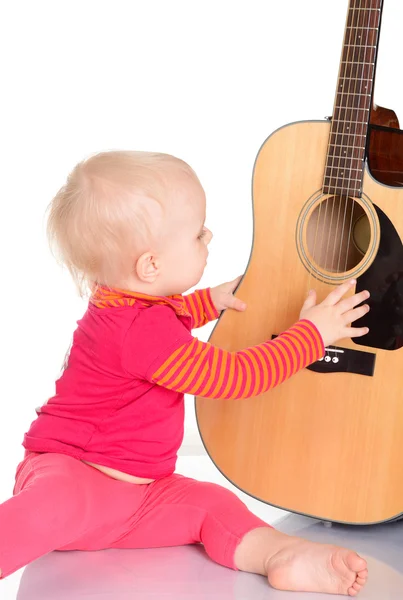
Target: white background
x=206 y=81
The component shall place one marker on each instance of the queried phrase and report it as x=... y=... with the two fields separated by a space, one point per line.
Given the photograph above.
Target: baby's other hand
x=333 y=316
x=223 y=297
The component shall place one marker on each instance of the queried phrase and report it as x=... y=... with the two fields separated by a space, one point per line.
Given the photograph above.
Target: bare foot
x=303 y=566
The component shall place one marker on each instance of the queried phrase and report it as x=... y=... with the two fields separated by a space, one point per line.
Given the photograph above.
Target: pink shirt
x=120 y=399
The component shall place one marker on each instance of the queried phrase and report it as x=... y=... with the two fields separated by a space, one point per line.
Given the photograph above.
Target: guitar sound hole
x=338 y=234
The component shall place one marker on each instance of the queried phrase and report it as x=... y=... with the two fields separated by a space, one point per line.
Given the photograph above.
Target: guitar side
x=322 y=444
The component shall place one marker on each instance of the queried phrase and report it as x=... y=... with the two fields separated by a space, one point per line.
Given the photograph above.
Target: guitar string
x=351 y=135
x=325 y=227
x=349 y=111
x=348 y=55
x=367 y=104
x=366 y=62
x=369 y=45
x=357 y=26
x=327 y=166
x=357 y=149
x=334 y=132
x=351 y=155
x=346 y=92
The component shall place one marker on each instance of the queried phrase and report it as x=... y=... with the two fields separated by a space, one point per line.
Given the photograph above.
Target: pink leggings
x=60 y=503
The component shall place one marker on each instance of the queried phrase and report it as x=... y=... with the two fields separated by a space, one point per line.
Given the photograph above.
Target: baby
x=98 y=470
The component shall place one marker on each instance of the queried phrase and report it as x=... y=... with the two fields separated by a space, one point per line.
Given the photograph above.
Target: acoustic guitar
x=327 y=207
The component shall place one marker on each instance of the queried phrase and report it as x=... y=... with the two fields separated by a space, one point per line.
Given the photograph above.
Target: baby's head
x=131 y=220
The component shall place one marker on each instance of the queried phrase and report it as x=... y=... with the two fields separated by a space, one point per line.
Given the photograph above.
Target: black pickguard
x=384 y=280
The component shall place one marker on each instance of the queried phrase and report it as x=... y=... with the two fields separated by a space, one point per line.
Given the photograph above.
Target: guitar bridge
x=344 y=360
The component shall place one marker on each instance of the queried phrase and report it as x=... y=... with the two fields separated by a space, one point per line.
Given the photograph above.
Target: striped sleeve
x=204 y=370
x=201 y=307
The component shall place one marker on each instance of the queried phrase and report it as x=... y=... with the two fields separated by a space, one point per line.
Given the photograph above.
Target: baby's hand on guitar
x=333 y=316
x=223 y=297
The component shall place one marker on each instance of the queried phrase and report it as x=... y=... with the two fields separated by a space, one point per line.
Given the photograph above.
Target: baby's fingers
x=356 y=313
x=348 y=303
x=351 y=332
x=336 y=295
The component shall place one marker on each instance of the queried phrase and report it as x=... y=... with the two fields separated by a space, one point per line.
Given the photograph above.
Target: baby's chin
x=191 y=285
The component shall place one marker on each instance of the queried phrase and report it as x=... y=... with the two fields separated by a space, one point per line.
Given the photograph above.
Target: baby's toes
x=358 y=583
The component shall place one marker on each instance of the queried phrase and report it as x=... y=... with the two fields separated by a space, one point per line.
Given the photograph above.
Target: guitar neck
x=353 y=101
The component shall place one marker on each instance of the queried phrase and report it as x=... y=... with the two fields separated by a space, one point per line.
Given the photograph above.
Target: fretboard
x=344 y=169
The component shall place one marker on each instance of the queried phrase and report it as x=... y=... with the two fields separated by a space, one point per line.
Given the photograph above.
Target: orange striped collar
x=106 y=297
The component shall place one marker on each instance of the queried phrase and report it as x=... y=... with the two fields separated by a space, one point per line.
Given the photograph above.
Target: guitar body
x=324 y=444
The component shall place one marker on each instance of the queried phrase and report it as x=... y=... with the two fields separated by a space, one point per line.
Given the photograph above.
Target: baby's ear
x=147 y=268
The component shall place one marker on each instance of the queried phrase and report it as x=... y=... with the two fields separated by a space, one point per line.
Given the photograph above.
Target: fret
x=344 y=146
x=348 y=62
x=340 y=159
x=358 y=46
x=354 y=85
x=350 y=178
x=364 y=18
x=358 y=54
x=347 y=156
x=327 y=189
x=347 y=129
x=331 y=167
x=342 y=135
x=343 y=192
x=353 y=101
x=363 y=4
x=342 y=138
x=357 y=70
x=366 y=28
x=344 y=174
x=362 y=37
x=362 y=114
x=359 y=79
x=364 y=124
x=343 y=110
x=353 y=81
x=348 y=160
x=342 y=154
x=338 y=106
x=339 y=126
x=345 y=164
x=347 y=132
x=352 y=94
x=356 y=122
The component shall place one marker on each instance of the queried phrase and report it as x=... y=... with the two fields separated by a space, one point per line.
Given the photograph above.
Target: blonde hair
x=101 y=218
